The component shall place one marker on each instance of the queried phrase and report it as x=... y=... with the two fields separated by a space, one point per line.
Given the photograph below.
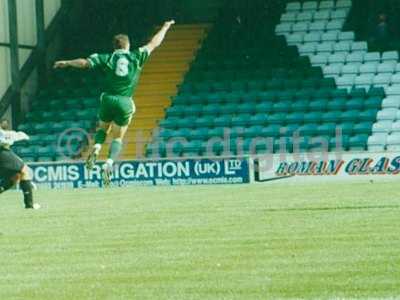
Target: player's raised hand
x=23 y=136
x=169 y=23
x=61 y=64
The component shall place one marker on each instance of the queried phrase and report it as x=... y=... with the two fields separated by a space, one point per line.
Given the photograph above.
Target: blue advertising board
x=145 y=173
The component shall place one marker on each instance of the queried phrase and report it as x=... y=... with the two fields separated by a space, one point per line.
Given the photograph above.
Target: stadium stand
x=320 y=37
x=262 y=88
x=251 y=89
x=63 y=114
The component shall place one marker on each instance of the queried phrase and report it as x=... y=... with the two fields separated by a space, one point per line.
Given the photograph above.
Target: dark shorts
x=10 y=163
x=117 y=109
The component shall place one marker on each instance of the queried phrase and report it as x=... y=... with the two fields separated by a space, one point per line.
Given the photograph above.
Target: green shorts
x=117 y=109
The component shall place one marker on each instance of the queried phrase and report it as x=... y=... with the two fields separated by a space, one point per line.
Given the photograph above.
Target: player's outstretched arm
x=79 y=63
x=159 y=37
x=9 y=137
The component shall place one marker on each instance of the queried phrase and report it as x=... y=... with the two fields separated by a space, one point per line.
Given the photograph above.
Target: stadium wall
x=27 y=39
x=303 y=167
x=327 y=166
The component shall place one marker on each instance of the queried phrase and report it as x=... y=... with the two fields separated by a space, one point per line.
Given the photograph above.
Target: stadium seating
x=303 y=75
x=265 y=90
x=64 y=114
x=341 y=57
x=60 y=116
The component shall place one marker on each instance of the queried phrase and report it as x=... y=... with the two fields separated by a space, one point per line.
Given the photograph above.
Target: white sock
x=109 y=163
x=97 y=148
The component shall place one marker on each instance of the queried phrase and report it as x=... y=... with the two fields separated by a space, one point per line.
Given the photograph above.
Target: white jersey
x=9 y=137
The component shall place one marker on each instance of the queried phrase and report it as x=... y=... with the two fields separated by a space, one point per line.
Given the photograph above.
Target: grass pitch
x=269 y=241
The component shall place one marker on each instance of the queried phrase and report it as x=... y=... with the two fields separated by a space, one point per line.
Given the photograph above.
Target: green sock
x=100 y=136
x=115 y=149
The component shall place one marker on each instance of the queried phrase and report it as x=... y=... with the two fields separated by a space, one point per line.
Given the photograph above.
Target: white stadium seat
x=377 y=142
x=346 y=36
x=369 y=68
x=310 y=5
x=393 y=142
x=293 y=6
x=359 y=46
x=382 y=80
x=304 y=17
x=387 y=114
x=390 y=56
x=391 y=102
x=352 y=68
x=382 y=127
x=288 y=17
x=343 y=4
x=322 y=15
x=326 y=5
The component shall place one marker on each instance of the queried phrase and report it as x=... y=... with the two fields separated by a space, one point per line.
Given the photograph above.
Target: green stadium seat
x=271 y=131
x=363 y=128
x=90 y=102
x=327 y=129
x=56 y=105
x=337 y=104
x=281 y=106
x=346 y=128
x=264 y=107
x=246 y=108
x=373 y=103
x=376 y=92
x=237 y=131
x=318 y=105
x=339 y=143
x=193 y=110
x=206 y=121
x=85 y=115
x=355 y=104
x=358 y=142
x=295 y=118
x=339 y=93
x=66 y=116
x=230 y=108
x=176 y=111
x=193 y=148
x=279 y=118
x=358 y=93
x=368 y=115
x=313 y=117
x=308 y=129
x=331 y=117
x=254 y=131
x=319 y=143
x=300 y=106
x=290 y=130
x=216 y=132
x=166 y=134
x=73 y=104
x=42 y=128
x=223 y=121
x=259 y=119
x=350 y=115
x=199 y=134
x=212 y=109
x=241 y=120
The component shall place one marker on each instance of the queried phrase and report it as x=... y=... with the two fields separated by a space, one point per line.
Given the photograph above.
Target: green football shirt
x=122 y=70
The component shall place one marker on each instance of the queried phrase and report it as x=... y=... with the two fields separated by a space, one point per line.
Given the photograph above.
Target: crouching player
x=12 y=169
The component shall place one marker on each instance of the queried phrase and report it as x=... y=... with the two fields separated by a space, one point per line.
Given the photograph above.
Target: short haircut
x=120 y=41
x=4 y=126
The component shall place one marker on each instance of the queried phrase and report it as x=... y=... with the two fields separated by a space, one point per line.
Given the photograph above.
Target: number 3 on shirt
x=122 y=68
